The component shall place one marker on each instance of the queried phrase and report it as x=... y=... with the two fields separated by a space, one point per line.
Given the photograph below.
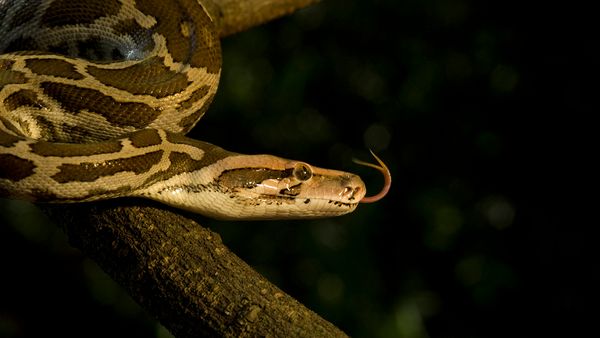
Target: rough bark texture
x=178 y=270
x=183 y=274
x=232 y=16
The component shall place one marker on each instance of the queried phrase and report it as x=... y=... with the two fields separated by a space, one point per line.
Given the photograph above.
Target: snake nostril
x=348 y=192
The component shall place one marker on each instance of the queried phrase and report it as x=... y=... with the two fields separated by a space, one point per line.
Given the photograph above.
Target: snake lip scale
x=97 y=95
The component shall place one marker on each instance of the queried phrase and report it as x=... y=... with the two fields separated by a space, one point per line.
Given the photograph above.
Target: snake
x=96 y=97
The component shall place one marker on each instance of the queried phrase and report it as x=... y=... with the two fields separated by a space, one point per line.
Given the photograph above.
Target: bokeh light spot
x=503 y=79
x=469 y=270
x=498 y=211
x=377 y=137
x=330 y=288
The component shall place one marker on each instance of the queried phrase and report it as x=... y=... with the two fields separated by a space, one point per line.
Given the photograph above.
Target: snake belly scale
x=97 y=95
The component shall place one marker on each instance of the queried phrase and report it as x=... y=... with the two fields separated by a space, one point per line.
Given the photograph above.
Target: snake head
x=270 y=187
x=250 y=187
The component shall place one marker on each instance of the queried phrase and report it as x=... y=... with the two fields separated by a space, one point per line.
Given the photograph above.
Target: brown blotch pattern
x=69 y=12
x=54 y=67
x=74 y=149
x=149 y=77
x=91 y=171
x=82 y=134
x=14 y=168
x=47 y=129
x=183 y=163
x=180 y=162
x=189 y=121
x=128 y=27
x=8 y=125
x=212 y=153
x=145 y=138
x=197 y=95
x=6 y=64
x=9 y=76
x=7 y=140
x=118 y=113
x=24 y=97
x=249 y=177
x=201 y=48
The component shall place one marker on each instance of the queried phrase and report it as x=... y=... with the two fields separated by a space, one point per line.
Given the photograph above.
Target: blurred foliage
x=453 y=95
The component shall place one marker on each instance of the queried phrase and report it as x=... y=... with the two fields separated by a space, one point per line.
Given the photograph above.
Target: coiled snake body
x=96 y=95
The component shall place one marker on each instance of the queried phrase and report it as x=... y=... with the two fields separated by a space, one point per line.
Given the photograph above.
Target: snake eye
x=302 y=171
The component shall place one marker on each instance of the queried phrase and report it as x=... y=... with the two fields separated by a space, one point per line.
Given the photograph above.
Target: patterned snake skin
x=95 y=99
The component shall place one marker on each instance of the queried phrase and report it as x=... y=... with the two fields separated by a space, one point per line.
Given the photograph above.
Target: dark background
x=476 y=108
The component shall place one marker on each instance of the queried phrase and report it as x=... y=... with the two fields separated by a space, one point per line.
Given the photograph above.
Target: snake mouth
x=344 y=204
x=292 y=199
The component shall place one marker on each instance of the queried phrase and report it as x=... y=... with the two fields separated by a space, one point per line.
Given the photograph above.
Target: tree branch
x=233 y=16
x=183 y=274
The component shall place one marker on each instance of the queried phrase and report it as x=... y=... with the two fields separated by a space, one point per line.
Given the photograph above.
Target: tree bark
x=176 y=269
x=183 y=274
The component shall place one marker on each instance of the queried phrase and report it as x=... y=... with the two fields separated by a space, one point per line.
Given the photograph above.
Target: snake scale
x=97 y=95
